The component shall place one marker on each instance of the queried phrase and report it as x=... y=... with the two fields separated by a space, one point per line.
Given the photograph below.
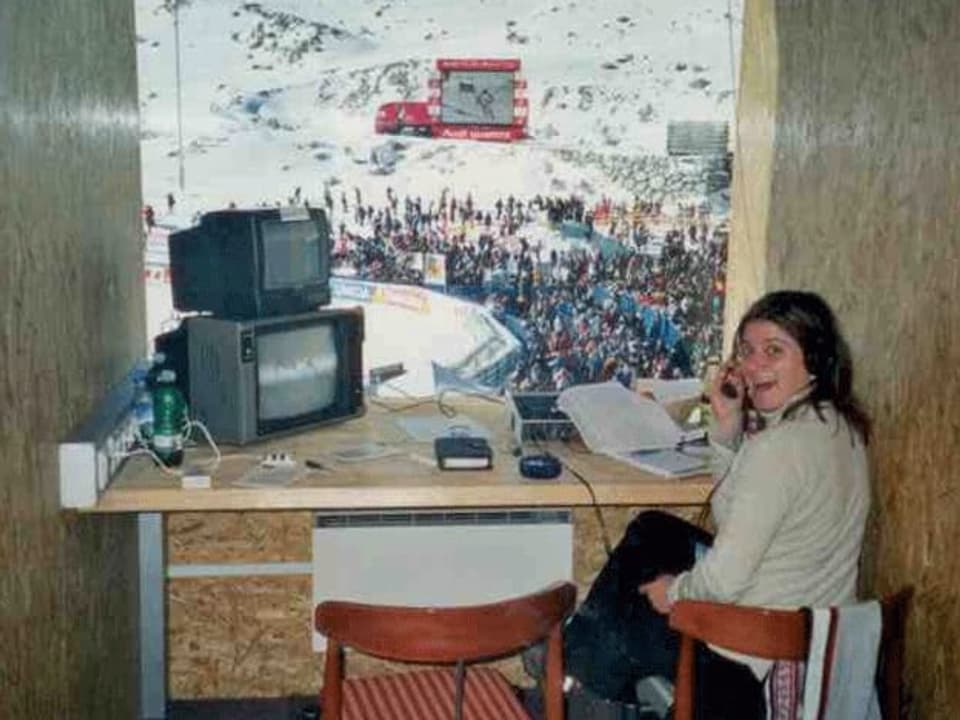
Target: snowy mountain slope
x=281 y=95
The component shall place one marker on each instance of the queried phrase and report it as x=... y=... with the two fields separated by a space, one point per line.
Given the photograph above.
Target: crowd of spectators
x=612 y=290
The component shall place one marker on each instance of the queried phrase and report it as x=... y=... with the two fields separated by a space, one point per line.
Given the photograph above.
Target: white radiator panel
x=428 y=559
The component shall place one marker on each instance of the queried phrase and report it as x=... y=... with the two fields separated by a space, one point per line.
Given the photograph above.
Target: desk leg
x=153 y=670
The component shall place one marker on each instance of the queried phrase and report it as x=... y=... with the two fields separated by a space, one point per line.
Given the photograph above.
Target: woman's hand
x=656 y=592
x=726 y=399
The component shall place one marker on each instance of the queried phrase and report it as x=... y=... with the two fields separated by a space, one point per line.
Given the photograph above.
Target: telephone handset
x=729 y=390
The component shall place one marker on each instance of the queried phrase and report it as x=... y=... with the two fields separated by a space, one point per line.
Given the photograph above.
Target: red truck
x=468 y=98
x=404 y=116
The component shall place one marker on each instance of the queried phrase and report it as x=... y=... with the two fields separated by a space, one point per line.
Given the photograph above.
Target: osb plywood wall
x=71 y=320
x=864 y=176
x=246 y=636
x=251 y=635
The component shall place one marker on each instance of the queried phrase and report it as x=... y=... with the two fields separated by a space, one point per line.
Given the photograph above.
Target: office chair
x=447 y=636
x=779 y=635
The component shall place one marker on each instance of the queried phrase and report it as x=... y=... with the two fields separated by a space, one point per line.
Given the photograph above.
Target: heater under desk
x=438 y=558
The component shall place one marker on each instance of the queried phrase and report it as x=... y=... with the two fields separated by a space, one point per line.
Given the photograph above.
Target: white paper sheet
x=612 y=419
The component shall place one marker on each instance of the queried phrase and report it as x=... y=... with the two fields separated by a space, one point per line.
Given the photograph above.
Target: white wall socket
x=93 y=453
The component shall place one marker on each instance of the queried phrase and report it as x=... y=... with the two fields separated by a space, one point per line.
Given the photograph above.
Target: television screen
x=250 y=379
x=291 y=254
x=297 y=372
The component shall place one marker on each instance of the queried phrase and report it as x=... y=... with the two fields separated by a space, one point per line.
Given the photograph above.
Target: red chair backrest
x=778 y=635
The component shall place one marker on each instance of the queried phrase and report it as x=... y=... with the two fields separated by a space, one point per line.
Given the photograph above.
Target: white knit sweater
x=790 y=512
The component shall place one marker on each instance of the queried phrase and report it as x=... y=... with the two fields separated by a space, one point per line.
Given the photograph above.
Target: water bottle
x=169 y=418
x=142 y=405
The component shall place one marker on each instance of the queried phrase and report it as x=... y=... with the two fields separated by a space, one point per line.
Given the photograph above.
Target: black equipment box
x=463 y=453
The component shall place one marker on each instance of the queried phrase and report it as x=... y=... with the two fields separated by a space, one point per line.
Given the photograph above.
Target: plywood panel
x=241 y=637
x=71 y=319
x=251 y=537
x=863 y=208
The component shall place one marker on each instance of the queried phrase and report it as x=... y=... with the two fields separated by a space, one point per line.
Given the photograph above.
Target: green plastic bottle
x=169 y=419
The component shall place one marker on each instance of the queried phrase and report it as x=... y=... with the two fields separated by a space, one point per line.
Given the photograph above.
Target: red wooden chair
x=444 y=636
x=778 y=635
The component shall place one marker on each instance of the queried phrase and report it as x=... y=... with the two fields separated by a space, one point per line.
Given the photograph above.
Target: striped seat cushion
x=429 y=695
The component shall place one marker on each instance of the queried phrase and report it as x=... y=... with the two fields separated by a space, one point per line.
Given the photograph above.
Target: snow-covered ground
x=281 y=95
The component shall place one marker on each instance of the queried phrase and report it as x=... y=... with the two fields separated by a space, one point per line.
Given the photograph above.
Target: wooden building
x=847 y=181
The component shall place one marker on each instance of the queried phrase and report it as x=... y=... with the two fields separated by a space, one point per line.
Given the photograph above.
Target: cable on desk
x=604 y=535
x=596 y=508
x=417 y=401
x=147 y=451
x=401 y=408
x=444 y=409
x=447 y=410
x=450 y=411
x=188 y=427
x=217 y=457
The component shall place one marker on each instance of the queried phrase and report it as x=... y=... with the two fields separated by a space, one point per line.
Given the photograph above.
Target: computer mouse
x=540 y=467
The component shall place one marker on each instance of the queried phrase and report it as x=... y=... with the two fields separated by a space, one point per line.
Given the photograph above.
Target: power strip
x=278 y=460
x=93 y=453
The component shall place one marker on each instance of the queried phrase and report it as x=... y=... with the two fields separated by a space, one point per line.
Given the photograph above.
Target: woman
x=790 y=505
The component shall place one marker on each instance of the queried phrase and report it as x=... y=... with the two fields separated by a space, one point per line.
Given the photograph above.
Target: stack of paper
x=630 y=427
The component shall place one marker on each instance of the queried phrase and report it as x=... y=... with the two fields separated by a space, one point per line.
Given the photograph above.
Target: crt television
x=251 y=379
x=244 y=264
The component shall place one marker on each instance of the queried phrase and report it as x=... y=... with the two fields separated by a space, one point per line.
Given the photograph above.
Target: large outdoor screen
x=476 y=98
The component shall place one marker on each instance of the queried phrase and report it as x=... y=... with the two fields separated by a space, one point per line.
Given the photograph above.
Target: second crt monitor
x=247 y=264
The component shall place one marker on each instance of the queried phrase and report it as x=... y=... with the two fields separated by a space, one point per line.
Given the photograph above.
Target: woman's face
x=772 y=365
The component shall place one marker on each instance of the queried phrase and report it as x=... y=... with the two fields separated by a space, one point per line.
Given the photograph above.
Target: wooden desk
x=407 y=480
